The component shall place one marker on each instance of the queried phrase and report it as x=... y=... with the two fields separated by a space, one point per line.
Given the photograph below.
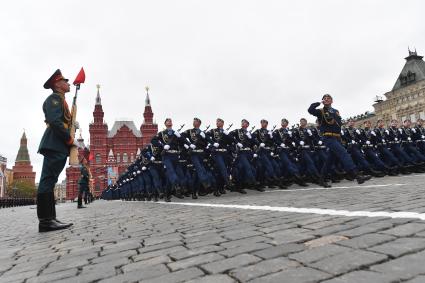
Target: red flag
x=91 y=157
x=81 y=77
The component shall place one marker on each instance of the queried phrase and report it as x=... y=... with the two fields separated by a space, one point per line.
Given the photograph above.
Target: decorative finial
x=98 y=86
x=147 y=89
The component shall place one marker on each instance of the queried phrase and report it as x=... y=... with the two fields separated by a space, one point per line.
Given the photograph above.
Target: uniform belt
x=65 y=125
x=394 y=142
x=183 y=161
x=221 y=149
x=245 y=149
x=321 y=146
x=198 y=150
x=157 y=162
x=305 y=146
x=172 y=151
x=332 y=135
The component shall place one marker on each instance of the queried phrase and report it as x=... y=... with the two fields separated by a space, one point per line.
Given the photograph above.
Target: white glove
x=271 y=134
x=383 y=140
x=144 y=168
x=248 y=134
x=76 y=143
x=226 y=132
x=271 y=154
x=138 y=171
x=396 y=139
x=293 y=143
x=262 y=145
x=373 y=133
x=400 y=130
x=302 y=143
x=216 y=145
x=186 y=146
x=255 y=155
x=202 y=134
x=152 y=158
x=239 y=144
x=134 y=173
x=192 y=146
x=166 y=147
x=342 y=132
x=320 y=142
x=388 y=132
x=358 y=131
x=353 y=142
x=422 y=137
x=309 y=132
x=413 y=130
x=290 y=133
x=208 y=146
x=409 y=138
x=282 y=145
x=177 y=134
x=367 y=142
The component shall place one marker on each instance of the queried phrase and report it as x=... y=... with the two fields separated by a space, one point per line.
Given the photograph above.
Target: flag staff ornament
x=73 y=154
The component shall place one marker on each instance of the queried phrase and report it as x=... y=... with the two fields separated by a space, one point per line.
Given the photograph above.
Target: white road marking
x=322 y=211
x=333 y=188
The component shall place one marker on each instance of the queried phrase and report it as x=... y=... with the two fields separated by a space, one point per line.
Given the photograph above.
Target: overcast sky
x=232 y=59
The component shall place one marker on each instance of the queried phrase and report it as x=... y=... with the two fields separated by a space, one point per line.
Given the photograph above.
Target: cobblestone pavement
x=244 y=240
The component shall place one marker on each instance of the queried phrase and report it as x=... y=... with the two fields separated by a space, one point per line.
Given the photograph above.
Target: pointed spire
x=111 y=153
x=23 y=150
x=147 y=100
x=98 y=100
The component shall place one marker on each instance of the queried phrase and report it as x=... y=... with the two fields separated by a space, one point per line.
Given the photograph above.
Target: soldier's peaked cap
x=57 y=76
x=326 y=95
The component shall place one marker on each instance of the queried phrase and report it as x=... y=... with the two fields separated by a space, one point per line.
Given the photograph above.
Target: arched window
x=118 y=158
x=124 y=157
x=98 y=158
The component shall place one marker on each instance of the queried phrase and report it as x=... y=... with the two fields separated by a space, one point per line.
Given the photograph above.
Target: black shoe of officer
x=167 y=197
x=178 y=193
x=362 y=178
x=194 y=195
x=149 y=197
x=222 y=190
x=216 y=193
x=322 y=182
x=375 y=173
x=46 y=225
x=155 y=197
x=300 y=181
x=81 y=206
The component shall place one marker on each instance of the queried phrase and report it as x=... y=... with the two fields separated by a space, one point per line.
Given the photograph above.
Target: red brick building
x=112 y=150
x=23 y=171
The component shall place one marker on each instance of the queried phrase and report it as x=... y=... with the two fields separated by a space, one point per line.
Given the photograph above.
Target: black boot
x=376 y=173
x=194 y=195
x=53 y=208
x=45 y=214
x=178 y=192
x=360 y=178
x=216 y=192
x=322 y=182
x=80 y=201
x=300 y=181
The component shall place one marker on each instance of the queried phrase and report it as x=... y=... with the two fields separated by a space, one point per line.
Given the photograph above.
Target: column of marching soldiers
x=198 y=162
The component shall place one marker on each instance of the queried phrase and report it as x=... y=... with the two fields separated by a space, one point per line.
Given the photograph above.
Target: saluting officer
x=54 y=146
x=330 y=125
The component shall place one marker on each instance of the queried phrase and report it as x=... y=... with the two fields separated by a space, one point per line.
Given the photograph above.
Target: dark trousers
x=338 y=152
x=53 y=164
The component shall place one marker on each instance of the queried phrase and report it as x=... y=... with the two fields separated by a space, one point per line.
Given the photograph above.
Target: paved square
x=373 y=232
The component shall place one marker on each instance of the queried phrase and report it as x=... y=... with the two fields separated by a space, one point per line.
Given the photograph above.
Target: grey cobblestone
x=122 y=241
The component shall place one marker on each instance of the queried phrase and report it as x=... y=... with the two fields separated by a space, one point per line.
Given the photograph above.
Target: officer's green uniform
x=54 y=146
x=56 y=141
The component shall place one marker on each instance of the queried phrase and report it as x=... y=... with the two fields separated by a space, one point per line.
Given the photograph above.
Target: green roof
x=23 y=150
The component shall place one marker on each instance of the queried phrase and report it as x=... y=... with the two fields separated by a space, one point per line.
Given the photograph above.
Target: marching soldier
x=285 y=145
x=55 y=147
x=169 y=141
x=330 y=125
x=220 y=153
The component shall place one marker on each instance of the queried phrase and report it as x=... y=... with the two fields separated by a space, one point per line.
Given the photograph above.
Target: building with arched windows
x=111 y=151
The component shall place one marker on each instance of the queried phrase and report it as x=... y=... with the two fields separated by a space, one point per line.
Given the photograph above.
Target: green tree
x=21 y=189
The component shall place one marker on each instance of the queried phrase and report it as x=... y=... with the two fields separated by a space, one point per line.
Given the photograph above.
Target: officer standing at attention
x=83 y=182
x=54 y=146
x=330 y=125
